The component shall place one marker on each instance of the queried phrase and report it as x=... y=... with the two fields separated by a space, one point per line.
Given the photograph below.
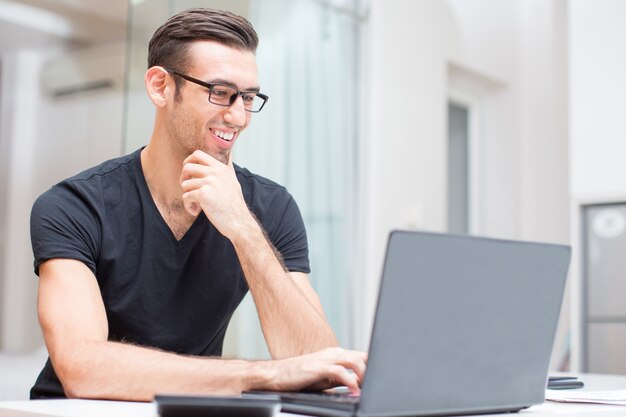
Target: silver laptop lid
x=463 y=325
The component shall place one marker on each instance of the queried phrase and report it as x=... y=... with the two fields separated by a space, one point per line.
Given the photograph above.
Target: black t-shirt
x=173 y=295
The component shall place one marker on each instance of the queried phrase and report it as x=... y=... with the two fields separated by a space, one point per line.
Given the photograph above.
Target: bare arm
x=290 y=312
x=73 y=319
x=291 y=315
x=74 y=323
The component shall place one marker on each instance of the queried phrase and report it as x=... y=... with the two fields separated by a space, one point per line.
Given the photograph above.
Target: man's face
x=195 y=123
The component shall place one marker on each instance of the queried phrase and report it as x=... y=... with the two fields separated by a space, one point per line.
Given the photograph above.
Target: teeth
x=224 y=135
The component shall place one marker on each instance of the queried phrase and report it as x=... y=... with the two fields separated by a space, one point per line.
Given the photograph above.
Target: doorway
x=458 y=167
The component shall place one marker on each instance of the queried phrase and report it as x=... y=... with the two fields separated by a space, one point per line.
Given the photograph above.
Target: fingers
x=190 y=203
x=192 y=184
x=348 y=379
x=212 y=187
x=203 y=158
x=320 y=370
x=192 y=178
x=196 y=164
x=341 y=367
x=350 y=359
x=193 y=170
x=337 y=375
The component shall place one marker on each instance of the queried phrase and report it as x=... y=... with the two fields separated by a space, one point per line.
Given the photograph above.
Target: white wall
x=544 y=137
x=598 y=96
x=487 y=43
x=597 y=126
x=516 y=50
x=405 y=174
x=544 y=140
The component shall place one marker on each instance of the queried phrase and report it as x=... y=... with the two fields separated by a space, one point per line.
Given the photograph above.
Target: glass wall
x=305 y=138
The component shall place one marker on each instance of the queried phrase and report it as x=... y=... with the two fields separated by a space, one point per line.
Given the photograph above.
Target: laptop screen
x=463 y=323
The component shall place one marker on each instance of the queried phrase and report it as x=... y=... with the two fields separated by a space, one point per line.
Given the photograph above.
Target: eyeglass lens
x=224 y=95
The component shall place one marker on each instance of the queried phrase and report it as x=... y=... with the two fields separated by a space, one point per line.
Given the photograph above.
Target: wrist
x=259 y=376
x=246 y=231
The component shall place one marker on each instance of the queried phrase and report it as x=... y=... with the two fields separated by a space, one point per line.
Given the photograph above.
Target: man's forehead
x=213 y=60
x=204 y=52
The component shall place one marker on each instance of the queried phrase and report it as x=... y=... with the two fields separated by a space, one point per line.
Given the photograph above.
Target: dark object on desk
x=214 y=406
x=449 y=308
x=564 y=382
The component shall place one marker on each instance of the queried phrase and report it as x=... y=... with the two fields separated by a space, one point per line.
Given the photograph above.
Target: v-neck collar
x=160 y=221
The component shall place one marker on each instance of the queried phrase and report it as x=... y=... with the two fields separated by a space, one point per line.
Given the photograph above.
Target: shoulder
x=89 y=183
x=108 y=169
x=260 y=191
x=268 y=200
x=278 y=212
x=255 y=181
x=66 y=221
x=271 y=202
x=86 y=191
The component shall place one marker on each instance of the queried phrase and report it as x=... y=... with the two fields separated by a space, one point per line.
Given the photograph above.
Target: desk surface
x=93 y=408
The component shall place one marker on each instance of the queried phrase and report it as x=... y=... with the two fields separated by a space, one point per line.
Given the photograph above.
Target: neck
x=161 y=168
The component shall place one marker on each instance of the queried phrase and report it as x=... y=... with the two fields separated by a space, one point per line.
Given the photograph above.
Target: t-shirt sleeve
x=289 y=238
x=62 y=225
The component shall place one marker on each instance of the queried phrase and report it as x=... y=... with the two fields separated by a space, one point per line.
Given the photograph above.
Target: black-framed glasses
x=225 y=95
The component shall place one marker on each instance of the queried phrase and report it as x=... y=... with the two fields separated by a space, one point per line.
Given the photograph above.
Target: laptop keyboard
x=321 y=397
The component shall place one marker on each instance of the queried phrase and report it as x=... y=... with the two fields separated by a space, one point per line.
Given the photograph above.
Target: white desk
x=92 y=408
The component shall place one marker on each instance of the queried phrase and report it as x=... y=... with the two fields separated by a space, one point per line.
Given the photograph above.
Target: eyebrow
x=231 y=84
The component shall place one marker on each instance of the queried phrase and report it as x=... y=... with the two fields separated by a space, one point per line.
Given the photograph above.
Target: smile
x=227 y=136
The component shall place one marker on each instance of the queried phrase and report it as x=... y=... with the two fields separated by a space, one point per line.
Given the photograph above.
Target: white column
x=19 y=288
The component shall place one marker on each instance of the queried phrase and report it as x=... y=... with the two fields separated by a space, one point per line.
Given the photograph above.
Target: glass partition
x=305 y=138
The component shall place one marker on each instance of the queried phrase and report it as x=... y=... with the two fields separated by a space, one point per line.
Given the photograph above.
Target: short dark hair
x=170 y=43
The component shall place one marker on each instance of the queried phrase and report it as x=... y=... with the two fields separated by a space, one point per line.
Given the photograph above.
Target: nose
x=236 y=113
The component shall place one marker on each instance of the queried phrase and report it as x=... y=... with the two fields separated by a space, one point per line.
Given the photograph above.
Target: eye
x=218 y=91
x=249 y=98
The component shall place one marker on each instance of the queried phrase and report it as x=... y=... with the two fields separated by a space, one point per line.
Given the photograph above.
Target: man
x=143 y=259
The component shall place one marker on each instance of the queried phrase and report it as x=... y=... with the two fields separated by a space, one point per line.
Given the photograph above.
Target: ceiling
x=41 y=23
x=113 y=10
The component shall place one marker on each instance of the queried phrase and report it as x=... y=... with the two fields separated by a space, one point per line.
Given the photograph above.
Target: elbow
x=75 y=373
x=76 y=384
x=69 y=374
x=72 y=392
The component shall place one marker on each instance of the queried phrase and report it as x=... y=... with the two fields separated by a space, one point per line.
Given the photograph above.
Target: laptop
x=463 y=325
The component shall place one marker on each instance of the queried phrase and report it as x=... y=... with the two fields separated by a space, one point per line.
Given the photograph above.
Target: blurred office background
x=489 y=117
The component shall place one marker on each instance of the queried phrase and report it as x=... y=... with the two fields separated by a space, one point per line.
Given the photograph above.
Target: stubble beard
x=190 y=139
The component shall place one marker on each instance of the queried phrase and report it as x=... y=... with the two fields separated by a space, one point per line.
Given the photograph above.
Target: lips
x=227 y=136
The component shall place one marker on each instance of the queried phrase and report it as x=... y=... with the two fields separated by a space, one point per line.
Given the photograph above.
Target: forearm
x=111 y=370
x=292 y=323
x=117 y=371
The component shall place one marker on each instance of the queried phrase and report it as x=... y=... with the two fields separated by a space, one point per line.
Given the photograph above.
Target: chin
x=220 y=156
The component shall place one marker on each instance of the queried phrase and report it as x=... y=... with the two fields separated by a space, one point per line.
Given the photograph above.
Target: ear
x=158 y=85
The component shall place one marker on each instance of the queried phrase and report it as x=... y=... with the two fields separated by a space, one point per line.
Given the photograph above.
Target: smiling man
x=143 y=259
